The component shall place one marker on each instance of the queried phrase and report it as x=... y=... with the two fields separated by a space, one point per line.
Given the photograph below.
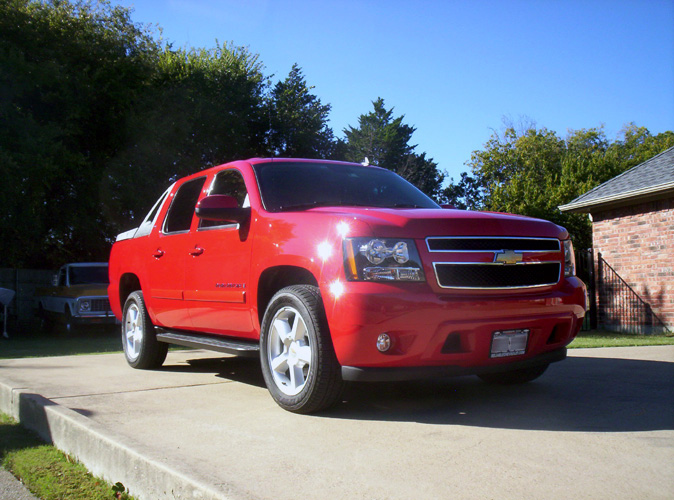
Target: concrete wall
x=638 y=242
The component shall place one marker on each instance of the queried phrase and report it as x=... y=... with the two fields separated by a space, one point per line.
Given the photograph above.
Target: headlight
x=569 y=259
x=378 y=259
x=85 y=306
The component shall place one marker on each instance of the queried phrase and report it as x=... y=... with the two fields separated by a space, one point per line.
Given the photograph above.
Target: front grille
x=494 y=244
x=100 y=305
x=454 y=275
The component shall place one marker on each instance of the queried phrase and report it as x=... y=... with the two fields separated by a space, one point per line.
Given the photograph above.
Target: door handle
x=197 y=251
x=158 y=253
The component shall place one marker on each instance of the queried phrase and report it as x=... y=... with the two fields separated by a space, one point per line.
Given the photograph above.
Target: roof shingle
x=652 y=176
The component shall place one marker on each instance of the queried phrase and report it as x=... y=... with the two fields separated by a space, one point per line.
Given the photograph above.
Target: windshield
x=287 y=186
x=89 y=275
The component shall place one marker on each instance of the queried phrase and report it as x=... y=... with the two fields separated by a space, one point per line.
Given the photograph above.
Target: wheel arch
x=275 y=278
x=128 y=283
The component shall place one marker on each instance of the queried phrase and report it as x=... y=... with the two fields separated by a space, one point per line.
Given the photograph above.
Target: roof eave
x=619 y=200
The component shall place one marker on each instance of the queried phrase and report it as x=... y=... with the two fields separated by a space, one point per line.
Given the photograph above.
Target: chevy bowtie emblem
x=507 y=257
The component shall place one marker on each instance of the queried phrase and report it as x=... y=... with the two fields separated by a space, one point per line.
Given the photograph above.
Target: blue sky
x=455 y=69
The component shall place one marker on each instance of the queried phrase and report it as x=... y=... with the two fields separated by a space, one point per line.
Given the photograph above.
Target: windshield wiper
x=315 y=204
x=305 y=206
x=405 y=205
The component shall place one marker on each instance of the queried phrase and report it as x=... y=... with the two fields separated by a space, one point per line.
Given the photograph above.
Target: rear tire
x=521 y=376
x=141 y=347
x=298 y=360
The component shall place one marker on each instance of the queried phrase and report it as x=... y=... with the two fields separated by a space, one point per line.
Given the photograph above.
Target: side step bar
x=245 y=348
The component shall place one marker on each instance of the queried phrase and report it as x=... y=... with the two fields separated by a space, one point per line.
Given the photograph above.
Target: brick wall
x=638 y=242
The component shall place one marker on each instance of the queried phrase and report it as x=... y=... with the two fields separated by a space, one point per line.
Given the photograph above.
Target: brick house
x=633 y=235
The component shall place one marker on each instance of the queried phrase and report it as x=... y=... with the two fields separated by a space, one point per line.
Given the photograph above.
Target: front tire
x=521 y=376
x=46 y=323
x=69 y=322
x=141 y=347
x=298 y=360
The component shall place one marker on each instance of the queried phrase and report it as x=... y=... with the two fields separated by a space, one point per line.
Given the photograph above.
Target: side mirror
x=220 y=207
x=55 y=280
x=450 y=207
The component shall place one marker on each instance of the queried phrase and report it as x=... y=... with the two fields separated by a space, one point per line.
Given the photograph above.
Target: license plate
x=509 y=343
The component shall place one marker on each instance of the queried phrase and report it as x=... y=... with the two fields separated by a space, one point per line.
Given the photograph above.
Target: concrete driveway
x=598 y=425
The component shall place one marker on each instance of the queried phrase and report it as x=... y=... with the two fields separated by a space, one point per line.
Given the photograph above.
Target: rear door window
x=179 y=217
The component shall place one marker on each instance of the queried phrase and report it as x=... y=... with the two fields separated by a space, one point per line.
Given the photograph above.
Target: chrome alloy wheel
x=133 y=332
x=289 y=351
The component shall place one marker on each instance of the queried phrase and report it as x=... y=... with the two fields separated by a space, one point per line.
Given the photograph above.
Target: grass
x=58 y=342
x=47 y=472
x=61 y=343
x=603 y=338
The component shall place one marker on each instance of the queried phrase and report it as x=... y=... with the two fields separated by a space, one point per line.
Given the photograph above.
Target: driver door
x=218 y=268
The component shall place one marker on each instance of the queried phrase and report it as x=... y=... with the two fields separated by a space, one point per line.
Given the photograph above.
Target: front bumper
x=95 y=319
x=97 y=311
x=449 y=333
x=395 y=374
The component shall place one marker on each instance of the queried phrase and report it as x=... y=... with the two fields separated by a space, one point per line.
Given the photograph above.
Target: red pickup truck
x=334 y=272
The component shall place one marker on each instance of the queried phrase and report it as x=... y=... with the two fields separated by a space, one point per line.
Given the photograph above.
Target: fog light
x=383 y=342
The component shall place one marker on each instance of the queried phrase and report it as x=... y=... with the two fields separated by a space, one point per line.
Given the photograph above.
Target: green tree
x=199 y=109
x=299 y=121
x=69 y=72
x=636 y=145
x=533 y=171
x=385 y=141
x=467 y=194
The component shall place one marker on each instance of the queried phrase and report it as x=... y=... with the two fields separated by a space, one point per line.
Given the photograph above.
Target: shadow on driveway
x=575 y=395
x=244 y=370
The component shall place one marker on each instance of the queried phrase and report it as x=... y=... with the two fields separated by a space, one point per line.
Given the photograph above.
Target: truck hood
x=421 y=223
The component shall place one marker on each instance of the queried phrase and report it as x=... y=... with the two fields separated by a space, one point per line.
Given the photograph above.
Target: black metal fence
x=620 y=308
x=585 y=271
x=613 y=303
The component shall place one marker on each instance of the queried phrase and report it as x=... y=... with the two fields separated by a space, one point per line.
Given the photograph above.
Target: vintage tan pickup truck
x=78 y=296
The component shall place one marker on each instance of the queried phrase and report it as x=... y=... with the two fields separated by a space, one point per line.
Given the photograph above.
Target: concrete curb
x=11 y=487
x=101 y=452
